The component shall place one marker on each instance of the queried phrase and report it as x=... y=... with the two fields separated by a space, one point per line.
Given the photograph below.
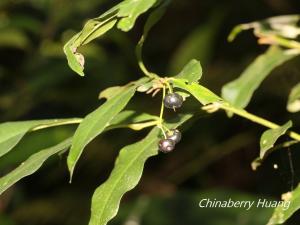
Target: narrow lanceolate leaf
x=125 y=175
x=269 y=138
x=192 y=72
x=12 y=132
x=202 y=94
x=286 y=209
x=294 y=99
x=239 y=92
x=123 y=14
x=95 y=123
x=31 y=165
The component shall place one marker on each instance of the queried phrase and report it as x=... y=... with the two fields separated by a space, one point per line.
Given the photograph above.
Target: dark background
x=214 y=157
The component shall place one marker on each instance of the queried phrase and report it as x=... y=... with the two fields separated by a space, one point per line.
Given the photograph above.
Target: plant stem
x=256 y=119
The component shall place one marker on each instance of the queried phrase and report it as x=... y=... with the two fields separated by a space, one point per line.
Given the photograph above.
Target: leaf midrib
x=92 y=127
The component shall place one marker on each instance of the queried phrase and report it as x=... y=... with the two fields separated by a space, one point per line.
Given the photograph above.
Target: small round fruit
x=173 y=101
x=166 y=145
x=174 y=135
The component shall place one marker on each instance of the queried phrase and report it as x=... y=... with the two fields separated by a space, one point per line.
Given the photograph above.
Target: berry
x=174 y=135
x=173 y=101
x=166 y=145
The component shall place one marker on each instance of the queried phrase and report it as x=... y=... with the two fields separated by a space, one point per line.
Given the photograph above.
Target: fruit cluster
x=166 y=145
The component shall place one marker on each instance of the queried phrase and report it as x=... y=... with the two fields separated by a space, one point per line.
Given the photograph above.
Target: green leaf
x=282 y=26
x=129 y=117
x=31 y=165
x=202 y=94
x=12 y=132
x=282 y=212
x=192 y=72
x=124 y=14
x=125 y=175
x=75 y=59
x=129 y=10
x=239 y=92
x=294 y=99
x=110 y=92
x=95 y=123
x=270 y=136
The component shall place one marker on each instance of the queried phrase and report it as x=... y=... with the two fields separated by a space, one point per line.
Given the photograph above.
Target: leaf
x=192 y=72
x=282 y=212
x=12 y=132
x=284 y=26
x=239 y=91
x=111 y=92
x=125 y=175
x=202 y=94
x=128 y=118
x=95 y=123
x=294 y=99
x=124 y=14
x=270 y=136
x=74 y=61
x=31 y=165
x=129 y=10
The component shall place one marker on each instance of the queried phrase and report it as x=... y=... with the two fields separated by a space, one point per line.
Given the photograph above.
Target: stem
x=256 y=119
x=160 y=121
x=169 y=87
x=138 y=52
x=162 y=107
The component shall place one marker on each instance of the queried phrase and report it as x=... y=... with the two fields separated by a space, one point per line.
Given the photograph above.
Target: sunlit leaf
x=12 y=132
x=192 y=72
x=290 y=205
x=202 y=94
x=294 y=99
x=270 y=136
x=130 y=117
x=239 y=91
x=123 y=14
x=95 y=123
x=129 y=10
x=125 y=175
x=31 y=165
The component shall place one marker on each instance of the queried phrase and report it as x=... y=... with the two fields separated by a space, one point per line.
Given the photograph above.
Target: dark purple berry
x=174 y=135
x=173 y=101
x=166 y=145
